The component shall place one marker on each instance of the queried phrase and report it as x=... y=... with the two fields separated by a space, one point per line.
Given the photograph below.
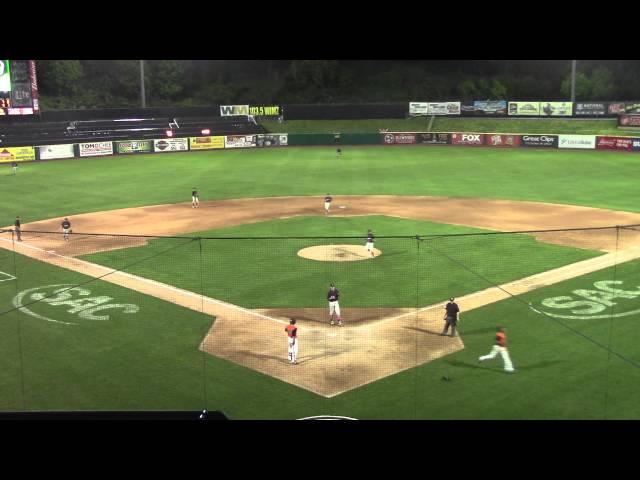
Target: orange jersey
x=291 y=330
x=501 y=339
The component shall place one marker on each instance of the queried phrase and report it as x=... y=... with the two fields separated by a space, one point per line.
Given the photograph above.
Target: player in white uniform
x=327 y=204
x=369 y=244
x=66 y=229
x=334 y=307
x=194 y=198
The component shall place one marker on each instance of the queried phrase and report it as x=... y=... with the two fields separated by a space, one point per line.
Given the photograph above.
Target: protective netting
x=113 y=322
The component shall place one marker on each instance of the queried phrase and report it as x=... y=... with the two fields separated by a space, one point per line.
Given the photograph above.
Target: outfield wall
x=469 y=139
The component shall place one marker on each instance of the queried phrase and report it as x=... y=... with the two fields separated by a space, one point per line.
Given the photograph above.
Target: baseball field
x=153 y=304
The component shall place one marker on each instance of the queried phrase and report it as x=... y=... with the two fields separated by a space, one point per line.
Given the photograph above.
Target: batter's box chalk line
x=6 y=277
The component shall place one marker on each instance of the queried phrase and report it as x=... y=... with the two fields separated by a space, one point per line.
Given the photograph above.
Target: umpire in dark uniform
x=451 y=317
x=17 y=229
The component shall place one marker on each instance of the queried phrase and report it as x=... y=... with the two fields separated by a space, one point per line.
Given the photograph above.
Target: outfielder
x=66 y=229
x=292 y=334
x=327 y=204
x=194 y=198
x=369 y=243
x=501 y=348
x=334 y=307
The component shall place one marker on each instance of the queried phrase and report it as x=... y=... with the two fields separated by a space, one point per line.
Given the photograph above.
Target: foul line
x=148 y=281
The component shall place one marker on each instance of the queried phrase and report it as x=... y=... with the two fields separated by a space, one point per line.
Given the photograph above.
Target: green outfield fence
x=116 y=322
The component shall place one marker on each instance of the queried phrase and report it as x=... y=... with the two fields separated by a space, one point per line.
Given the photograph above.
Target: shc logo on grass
x=591 y=303
x=77 y=299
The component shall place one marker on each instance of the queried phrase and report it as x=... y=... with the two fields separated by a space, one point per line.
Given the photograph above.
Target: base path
x=374 y=343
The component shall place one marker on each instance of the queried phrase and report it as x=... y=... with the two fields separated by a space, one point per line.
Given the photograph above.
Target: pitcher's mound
x=338 y=253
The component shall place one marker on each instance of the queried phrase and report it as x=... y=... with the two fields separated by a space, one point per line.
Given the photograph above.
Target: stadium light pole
x=142 y=95
x=573 y=80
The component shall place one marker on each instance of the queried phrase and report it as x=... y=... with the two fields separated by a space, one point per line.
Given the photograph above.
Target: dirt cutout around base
x=374 y=343
x=338 y=253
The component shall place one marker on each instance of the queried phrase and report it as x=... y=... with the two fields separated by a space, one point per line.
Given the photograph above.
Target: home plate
x=342 y=206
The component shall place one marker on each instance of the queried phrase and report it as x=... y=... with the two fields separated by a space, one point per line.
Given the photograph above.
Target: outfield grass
x=150 y=361
x=269 y=273
x=448 y=124
x=64 y=188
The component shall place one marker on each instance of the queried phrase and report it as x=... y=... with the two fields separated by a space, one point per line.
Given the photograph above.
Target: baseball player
x=451 y=317
x=334 y=307
x=292 y=338
x=339 y=152
x=66 y=228
x=17 y=229
x=369 y=243
x=14 y=165
x=194 y=198
x=327 y=204
x=500 y=348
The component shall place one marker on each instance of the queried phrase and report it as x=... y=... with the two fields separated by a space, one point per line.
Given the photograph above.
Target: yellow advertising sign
x=205 y=143
x=17 y=154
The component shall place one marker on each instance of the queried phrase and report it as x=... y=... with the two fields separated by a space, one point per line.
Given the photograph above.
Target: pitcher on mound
x=334 y=307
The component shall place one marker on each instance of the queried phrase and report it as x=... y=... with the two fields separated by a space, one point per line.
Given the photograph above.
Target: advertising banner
x=467 y=139
x=616 y=107
x=444 y=108
x=265 y=111
x=398 y=138
x=48 y=152
x=501 y=140
x=239 y=141
x=205 y=143
x=626 y=120
x=134 y=146
x=556 y=109
x=632 y=107
x=272 y=140
x=577 y=141
x=539 y=141
x=524 y=108
x=433 y=138
x=635 y=145
x=490 y=107
x=230 y=110
x=614 y=143
x=582 y=108
x=417 y=109
x=170 y=145
x=17 y=154
x=95 y=149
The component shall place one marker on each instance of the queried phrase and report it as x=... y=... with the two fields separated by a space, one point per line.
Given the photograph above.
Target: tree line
x=68 y=84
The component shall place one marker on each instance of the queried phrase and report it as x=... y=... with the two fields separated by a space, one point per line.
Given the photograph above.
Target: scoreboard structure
x=18 y=88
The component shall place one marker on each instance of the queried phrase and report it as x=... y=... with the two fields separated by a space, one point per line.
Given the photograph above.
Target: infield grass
x=261 y=273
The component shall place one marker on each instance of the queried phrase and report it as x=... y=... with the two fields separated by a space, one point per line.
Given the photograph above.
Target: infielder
x=500 y=348
x=369 y=243
x=451 y=317
x=327 y=204
x=66 y=228
x=292 y=338
x=194 y=198
x=334 y=307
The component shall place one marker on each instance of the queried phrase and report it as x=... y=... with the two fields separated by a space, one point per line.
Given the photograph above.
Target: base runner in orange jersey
x=292 y=338
x=500 y=347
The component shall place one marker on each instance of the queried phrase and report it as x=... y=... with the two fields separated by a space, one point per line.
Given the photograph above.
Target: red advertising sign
x=398 y=138
x=467 y=139
x=629 y=120
x=502 y=140
x=614 y=143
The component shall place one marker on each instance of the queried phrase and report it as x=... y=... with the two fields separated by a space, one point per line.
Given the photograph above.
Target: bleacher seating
x=43 y=133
